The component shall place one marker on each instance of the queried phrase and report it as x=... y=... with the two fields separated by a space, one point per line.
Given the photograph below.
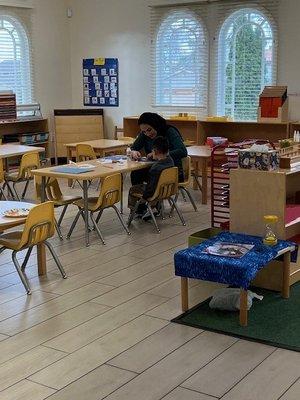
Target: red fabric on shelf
x=292 y=213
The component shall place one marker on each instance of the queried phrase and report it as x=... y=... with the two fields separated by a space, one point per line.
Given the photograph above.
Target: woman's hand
x=135 y=155
x=150 y=156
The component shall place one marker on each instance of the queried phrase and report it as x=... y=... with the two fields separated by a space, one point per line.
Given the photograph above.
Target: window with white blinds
x=181 y=62
x=246 y=63
x=213 y=57
x=15 y=58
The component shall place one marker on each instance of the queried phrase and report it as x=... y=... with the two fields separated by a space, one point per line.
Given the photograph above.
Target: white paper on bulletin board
x=100 y=82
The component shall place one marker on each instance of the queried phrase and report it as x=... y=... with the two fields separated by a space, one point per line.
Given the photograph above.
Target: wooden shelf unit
x=238 y=131
x=254 y=194
x=25 y=126
x=235 y=131
x=76 y=125
x=188 y=128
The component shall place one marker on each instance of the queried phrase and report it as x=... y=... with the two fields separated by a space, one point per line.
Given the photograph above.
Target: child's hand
x=151 y=156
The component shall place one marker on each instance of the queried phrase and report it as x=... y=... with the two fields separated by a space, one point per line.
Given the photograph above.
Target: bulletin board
x=100 y=82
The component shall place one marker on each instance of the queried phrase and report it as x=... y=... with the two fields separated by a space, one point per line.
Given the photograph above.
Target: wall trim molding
x=17 y=3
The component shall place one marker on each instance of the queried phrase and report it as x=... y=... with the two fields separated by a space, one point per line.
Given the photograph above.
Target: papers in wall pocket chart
x=101 y=82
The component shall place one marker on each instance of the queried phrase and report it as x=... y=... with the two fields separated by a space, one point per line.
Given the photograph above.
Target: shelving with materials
x=12 y=131
x=254 y=194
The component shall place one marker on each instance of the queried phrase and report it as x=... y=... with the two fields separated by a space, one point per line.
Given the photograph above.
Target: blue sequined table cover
x=194 y=263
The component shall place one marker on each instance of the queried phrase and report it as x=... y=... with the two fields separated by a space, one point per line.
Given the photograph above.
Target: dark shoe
x=147 y=215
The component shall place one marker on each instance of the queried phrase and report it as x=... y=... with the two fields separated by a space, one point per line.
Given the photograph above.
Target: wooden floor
x=105 y=331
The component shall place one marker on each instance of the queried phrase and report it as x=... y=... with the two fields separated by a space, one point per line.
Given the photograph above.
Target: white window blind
x=246 y=62
x=15 y=53
x=180 y=59
x=221 y=84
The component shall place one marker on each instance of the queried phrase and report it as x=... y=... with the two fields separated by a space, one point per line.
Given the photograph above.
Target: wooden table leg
x=286 y=275
x=204 y=180
x=243 y=308
x=69 y=157
x=196 y=172
x=184 y=294
x=41 y=259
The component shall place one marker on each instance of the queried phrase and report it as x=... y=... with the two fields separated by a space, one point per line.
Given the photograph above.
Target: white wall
x=52 y=66
x=113 y=28
x=120 y=28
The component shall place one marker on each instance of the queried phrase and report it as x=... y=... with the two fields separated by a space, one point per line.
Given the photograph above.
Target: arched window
x=15 y=63
x=246 y=63
x=181 y=61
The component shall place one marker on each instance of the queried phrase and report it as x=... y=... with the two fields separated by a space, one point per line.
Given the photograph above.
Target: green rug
x=274 y=320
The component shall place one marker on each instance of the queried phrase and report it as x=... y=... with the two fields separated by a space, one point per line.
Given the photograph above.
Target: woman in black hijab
x=152 y=125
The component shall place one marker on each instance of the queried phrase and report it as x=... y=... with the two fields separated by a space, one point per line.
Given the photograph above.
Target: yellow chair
x=2 y=194
x=53 y=193
x=109 y=196
x=39 y=227
x=183 y=186
x=166 y=189
x=85 y=152
x=29 y=161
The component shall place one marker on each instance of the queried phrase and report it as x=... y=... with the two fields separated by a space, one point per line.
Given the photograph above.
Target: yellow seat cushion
x=11 y=240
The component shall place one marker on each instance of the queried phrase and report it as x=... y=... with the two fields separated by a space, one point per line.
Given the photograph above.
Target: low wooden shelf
x=254 y=194
x=32 y=126
x=235 y=131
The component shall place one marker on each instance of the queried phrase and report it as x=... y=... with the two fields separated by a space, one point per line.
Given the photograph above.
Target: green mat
x=274 y=320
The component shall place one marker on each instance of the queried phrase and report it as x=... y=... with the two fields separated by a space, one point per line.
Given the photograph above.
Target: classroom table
x=14 y=150
x=101 y=171
x=197 y=263
x=100 y=146
x=200 y=156
x=7 y=223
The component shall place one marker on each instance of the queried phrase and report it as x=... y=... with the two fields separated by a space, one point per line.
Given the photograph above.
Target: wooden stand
x=254 y=194
x=76 y=126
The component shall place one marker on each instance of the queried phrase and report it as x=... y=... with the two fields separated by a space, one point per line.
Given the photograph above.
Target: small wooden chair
x=109 y=196
x=39 y=227
x=167 y=188
x=29 y=161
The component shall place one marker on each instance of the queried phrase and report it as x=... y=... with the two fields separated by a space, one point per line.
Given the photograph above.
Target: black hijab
x=155 y=121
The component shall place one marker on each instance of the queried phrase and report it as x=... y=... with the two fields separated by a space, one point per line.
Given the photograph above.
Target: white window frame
x=201 y=88
x=222 y=49
x=21 y=43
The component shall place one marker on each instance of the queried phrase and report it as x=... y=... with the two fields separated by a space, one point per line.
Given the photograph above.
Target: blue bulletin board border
x=100 y=82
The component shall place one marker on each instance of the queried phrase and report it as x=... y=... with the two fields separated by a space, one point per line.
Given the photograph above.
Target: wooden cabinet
x=198 y=131
x=76 y=126
x=254 y=194
x=30 y=131
x=188 y=128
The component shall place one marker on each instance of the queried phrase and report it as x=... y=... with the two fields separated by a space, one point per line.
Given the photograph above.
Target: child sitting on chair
x=160 y=153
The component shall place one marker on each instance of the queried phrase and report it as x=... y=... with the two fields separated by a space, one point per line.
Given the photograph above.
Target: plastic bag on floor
x=229 y=299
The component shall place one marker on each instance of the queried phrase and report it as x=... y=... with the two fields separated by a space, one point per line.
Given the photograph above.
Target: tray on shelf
x=289 y=156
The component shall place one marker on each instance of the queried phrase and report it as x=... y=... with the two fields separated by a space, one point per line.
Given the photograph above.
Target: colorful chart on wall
x=100 y=82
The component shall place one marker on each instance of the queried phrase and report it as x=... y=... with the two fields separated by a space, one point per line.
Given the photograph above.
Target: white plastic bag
x=229 y=299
